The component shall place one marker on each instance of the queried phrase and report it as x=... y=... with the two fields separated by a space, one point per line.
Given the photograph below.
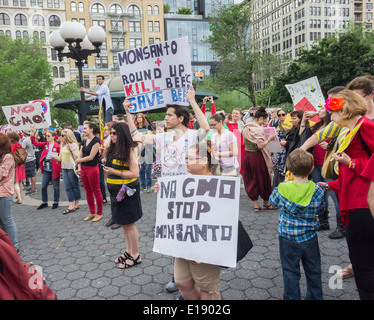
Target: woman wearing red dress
x=348 y=109
x=20 y=169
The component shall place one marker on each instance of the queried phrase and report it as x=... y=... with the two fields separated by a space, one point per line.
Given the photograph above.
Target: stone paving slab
x=77 y=257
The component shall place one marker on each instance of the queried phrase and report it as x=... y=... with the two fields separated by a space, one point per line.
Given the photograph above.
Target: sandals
x=123 y=258
x=126 y=265
x=257 y=209
x=269 y=207
x=69 y=210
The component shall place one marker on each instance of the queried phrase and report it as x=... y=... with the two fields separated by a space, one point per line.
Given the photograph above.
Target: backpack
x=18 y=280
x=20 y=156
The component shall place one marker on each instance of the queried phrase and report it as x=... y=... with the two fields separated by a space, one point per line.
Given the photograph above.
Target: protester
x=20 y=169
x=293 y=138
x=146 y=160
x=77 y=134
x=273 y=122
x=30 y=166
x=40 y=136
x=196 y=280
x=103 y=95
x=236 y=126
x=224 y=145
x=300 y=201
x=173 y=145
x=7 y=171
x=257 y=163
x=279 y=158
x=348 y=110
x=50 y=168
x=122 y=170
x=68 y=154
x=88 y=168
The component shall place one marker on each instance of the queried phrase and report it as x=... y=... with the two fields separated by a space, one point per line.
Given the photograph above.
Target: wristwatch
x=326 y=187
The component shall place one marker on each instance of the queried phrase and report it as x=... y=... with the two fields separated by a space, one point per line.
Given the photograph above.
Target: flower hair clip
x=327 y=105
x=336 y=103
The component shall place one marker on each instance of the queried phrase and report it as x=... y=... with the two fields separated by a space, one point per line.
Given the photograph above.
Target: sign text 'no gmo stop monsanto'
x=157 y=74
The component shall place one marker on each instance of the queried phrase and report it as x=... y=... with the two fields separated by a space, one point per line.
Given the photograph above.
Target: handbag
x=244 y=243
x=327 y=170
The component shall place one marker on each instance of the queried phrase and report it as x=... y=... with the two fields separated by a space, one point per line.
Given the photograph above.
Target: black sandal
x=123 y=258
x=257 y=209
x=69 y=210
x=126 y=265
x=269 y=207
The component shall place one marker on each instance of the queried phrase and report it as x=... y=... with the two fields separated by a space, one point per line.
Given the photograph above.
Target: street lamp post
x=80 y=47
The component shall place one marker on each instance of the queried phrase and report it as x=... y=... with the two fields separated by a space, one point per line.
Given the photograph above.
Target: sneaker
x=55 y=206
x=42 y=206
x=171 y=286
x=29 y=193
x=148 y=189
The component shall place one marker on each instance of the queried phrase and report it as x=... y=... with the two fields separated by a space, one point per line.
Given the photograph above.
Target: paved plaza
x=77 y=257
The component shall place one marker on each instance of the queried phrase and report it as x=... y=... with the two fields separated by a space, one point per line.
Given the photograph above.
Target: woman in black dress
x=122 y=169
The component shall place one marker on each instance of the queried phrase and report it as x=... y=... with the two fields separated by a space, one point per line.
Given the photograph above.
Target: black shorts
x=30 y=169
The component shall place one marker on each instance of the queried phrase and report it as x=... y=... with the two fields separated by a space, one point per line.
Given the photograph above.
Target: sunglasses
x=281 y=115
x=63 y=135
x=113 y=133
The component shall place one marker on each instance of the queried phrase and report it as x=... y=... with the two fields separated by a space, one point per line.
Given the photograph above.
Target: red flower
x=336 y=103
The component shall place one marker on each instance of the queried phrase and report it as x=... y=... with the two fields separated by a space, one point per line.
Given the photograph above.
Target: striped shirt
x=117 y=180
x=332 y=130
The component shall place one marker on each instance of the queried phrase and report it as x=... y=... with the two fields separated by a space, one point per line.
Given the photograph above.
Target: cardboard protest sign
x=273 y=145
x=287 y=124
x=22 y=116
x=305 y=105
x=309 y=89
x=197 y=218
x=46 y=109
x=156 y=75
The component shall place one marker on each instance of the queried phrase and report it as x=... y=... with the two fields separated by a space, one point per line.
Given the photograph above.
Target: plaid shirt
x=296 y=222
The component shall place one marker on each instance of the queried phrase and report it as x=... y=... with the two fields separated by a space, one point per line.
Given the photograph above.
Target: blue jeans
x=6 y=220
x=71 y=185
x=46 y=177
x=291 y=253
x=109 y=115
x=145 y=174
x=317 y=177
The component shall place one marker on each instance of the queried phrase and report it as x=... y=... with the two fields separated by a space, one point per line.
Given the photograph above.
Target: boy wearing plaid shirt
x=300 y=201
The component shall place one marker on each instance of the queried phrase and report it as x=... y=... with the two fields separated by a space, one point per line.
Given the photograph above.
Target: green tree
x=69 y=89
x=184 y=11
x=240 y=65
x=335 y=60
x=25 y=72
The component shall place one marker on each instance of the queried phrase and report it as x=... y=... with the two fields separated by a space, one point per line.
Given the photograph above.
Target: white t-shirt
x=222 y=143
x=174 y=153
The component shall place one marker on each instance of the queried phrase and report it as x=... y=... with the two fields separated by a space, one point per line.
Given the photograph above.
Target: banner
x=46 y=109
x=197 y=218
x=305 y=105
x=309 y=89
x=156 y=75
x=22 y=116
x=273 y=145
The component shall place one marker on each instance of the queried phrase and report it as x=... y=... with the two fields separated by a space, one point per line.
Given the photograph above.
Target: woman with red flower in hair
x=348 y=109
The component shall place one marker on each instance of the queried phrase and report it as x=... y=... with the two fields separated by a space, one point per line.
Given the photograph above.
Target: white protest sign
x=46 y=109
x=309 y=89
x=273 y=145
x=156 y=75
x=22 y=116
x=197 y=218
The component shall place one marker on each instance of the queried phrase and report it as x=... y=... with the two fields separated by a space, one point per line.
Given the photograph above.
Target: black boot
x=339 y=232
x=323 y=220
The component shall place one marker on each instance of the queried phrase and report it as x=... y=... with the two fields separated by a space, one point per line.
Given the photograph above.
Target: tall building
x=128 y=24
x=195 y=25
x=28 y=18
x=284 y=26
x=363 y=13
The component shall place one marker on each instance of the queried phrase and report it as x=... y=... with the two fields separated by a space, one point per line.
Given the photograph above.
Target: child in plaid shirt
x=300 y=201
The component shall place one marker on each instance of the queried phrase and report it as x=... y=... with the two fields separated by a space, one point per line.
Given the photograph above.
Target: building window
x=38 y=20
x=55 y=72
x=62 y=72
x=4 y=19
x=134 y=26
x=25 y=35
x=151 y=41
x=100 y=23
x=18 y=34
x=134 y=10
x=53 y=55
x=73 y=6
x=49 y=3
x=97 y=8
x=20 y=20
x=54 y=21
x=157 y=26
x=149 y=10
x=150 y=26
x=80 y=7
x=42 y=36
x=116 y=8
x=156 y=11
x=101 y=62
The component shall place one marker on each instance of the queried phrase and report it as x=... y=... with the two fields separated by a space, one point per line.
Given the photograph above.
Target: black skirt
x=129 y=210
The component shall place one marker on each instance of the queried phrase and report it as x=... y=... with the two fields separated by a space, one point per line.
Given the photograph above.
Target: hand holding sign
x=190 y=94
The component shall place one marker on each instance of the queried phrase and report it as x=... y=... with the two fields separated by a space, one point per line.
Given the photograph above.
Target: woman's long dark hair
x=5 y=146
x=322 y=123
x=122 y=148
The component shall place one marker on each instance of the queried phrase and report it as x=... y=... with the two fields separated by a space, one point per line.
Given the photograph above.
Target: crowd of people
x=327 y=159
